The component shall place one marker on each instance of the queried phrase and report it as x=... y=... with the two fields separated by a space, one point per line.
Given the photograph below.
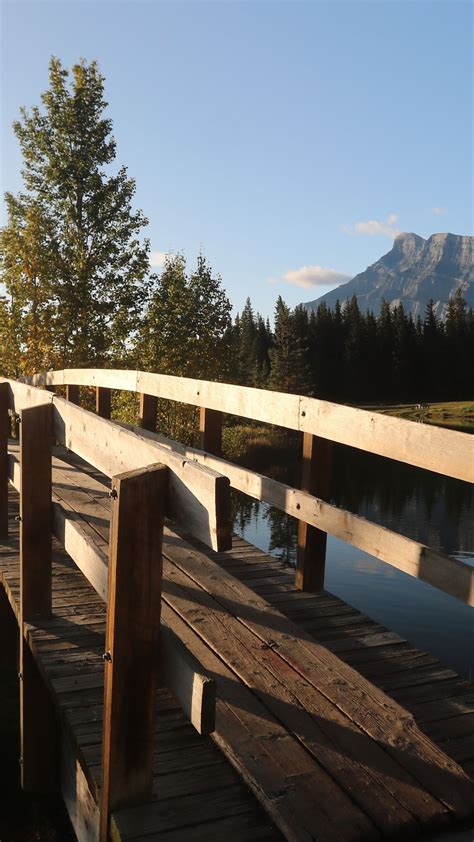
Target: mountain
x=414 y=271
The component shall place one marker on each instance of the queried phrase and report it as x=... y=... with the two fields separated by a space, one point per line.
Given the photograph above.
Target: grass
x=459 y=414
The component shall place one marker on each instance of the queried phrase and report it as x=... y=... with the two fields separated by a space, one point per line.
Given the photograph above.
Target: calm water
x=429 y=508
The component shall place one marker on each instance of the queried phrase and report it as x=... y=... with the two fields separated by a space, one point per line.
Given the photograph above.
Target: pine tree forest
x=349 y=356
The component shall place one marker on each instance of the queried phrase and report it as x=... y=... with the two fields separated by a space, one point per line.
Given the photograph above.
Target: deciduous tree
x=73 y=262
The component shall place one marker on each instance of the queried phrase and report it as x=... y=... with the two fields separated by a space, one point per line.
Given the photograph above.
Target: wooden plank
x=426 y=446
x=183 y=674
x=4 y=425
x=210 y=431
x=102 y=402
x=35 y=512
x=148 y=411
x=81 y=805
x=311 y=551
x=173 y=813
x=39 y=733
x=198 y=497
x=133 y=622
x=261 y=750
x=322 y=730
x=366 y=706
x=451 y=575
x=82 y=544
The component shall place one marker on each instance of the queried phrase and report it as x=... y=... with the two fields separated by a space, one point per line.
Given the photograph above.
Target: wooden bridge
x=176 y=683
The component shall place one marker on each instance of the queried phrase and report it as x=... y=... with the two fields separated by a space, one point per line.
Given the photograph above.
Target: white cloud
x=438 y=211
x=311 y=276
x=375 y=227
x=157 y=258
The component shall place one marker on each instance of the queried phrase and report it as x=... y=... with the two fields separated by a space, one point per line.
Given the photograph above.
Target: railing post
x=38 y=734
x=315 y=479
x=210 y=430
x=148 y=412
x=102 y=401
x=133 y=622
x=4 y=424
x=72 y=394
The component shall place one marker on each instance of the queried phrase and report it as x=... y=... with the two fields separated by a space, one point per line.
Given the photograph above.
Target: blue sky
x=283 y=139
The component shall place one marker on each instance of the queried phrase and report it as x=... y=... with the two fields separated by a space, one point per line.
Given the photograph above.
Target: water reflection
x=427 y=507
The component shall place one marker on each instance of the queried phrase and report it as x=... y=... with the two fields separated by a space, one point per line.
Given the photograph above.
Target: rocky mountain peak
x=412 y=272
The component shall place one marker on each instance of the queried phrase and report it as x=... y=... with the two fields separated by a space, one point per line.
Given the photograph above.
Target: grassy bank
x=458 y=414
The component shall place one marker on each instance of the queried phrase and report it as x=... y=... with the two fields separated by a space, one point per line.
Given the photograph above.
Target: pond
x=427 y=507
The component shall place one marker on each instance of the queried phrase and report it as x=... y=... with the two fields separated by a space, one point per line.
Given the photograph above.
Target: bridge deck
x=327 y=754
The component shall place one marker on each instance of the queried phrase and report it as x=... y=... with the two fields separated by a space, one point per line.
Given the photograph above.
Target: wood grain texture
x=451 y=575
x=39 y=733
x=35 y=511
x=315 y=479
x=133 y=623
x=433 y=448
x=210 y=431
x=377 y=715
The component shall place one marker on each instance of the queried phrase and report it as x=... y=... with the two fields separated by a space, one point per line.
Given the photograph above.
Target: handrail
x=199 y=497
x=446 y=452
x=451 y=575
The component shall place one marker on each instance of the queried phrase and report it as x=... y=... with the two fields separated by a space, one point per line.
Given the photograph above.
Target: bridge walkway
x=320 y=746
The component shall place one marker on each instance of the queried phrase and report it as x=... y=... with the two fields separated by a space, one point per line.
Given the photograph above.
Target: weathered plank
x=210 y=431
x=39 y=733
x=182 y=673
x=81 y=805
x=443 y=451
x=451 y=575
x=311 y=552
x=35 y=511
x=366 y=706
x=198 y=497
x=133 y=622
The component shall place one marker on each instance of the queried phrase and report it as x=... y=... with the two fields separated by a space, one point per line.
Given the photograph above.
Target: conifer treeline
x=346 y=355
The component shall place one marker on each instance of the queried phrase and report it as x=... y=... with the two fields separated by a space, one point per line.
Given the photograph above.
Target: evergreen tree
x=289 y=369
x=457 y=361
x=248 y=335
x=72 y=262
x=185 y=333
x=432 y=356
x=262 y=345
x=384 y=351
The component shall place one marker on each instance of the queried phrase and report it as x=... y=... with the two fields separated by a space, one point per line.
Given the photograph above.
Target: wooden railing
x=151 y=477
x=445 y=452
x=147 y=481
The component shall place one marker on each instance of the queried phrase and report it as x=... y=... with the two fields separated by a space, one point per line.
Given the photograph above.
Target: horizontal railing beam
x=447 y=452
x=198 y=498
x=448 y=574
x=180 y=671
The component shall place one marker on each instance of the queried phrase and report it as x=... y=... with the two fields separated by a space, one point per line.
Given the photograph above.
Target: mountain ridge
x=414 y=271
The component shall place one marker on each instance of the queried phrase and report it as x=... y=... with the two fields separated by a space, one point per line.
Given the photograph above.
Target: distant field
x=459 y=414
